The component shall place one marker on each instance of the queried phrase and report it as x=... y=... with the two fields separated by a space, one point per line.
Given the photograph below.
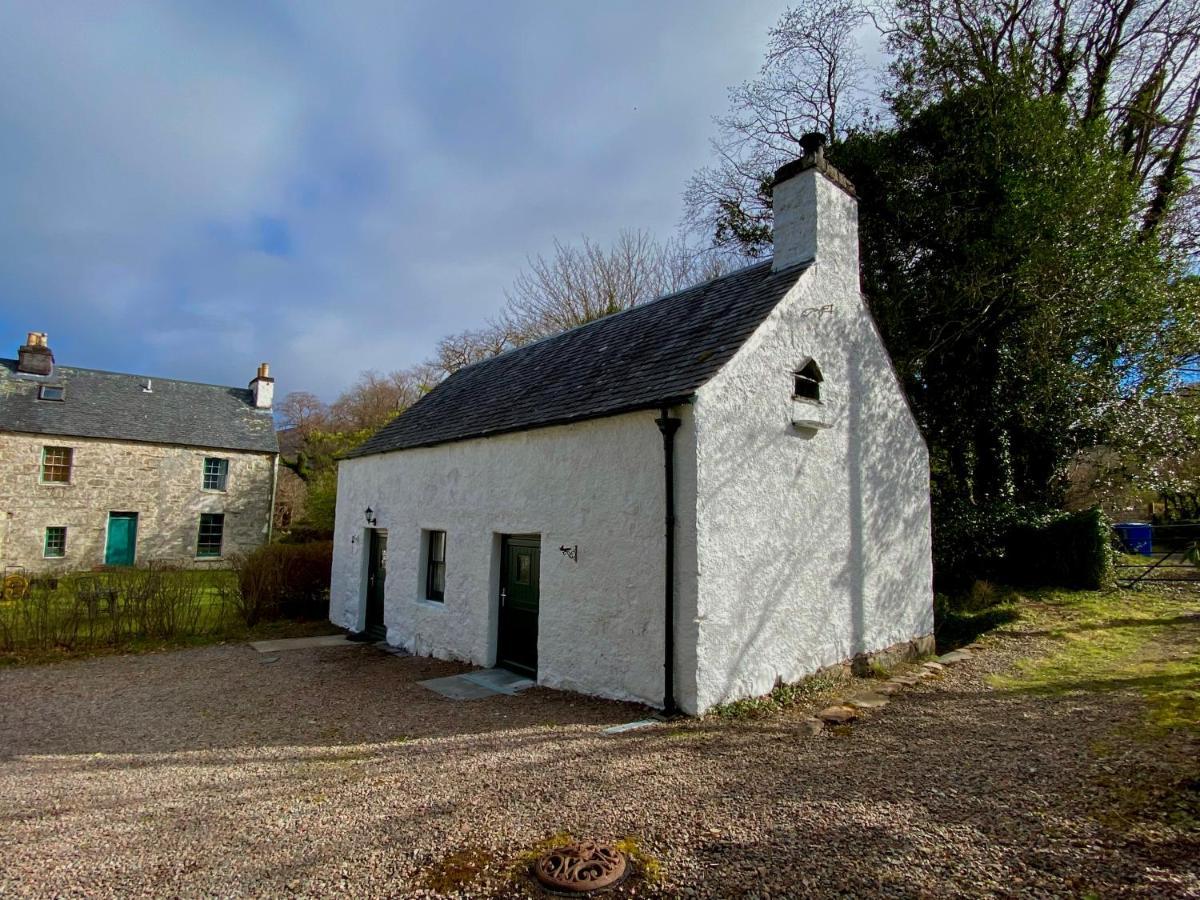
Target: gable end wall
x=812 y=545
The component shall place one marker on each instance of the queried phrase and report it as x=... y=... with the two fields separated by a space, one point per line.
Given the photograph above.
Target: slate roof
x=113 y=405
x=646 y=357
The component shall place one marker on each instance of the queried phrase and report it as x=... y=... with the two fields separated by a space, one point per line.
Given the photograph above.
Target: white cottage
x=682 y=504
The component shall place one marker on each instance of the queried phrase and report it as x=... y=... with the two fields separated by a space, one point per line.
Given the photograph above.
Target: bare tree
x=1128 y=66
x=814 y=79
x=578 y=284
x=302 y=412
x=375 y=399
x=465 y=348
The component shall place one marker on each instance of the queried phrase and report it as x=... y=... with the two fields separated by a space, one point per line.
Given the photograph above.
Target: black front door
x=520 y=565
x=376 y=574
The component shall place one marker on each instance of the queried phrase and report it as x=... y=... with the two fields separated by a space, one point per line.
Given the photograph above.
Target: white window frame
x=70 y=465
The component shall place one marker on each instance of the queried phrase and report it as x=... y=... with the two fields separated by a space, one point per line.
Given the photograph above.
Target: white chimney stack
x=263 y=387
x=816 y=213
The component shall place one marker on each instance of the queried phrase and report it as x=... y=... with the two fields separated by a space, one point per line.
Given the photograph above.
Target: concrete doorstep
x=326 y=640
x=479 y=684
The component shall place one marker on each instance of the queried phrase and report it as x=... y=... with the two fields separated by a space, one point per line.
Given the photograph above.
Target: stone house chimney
x=816 y=212
x=263 y=387
x=34 y=356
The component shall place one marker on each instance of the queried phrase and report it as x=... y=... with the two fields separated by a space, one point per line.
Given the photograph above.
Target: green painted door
x=520 y=579
x=122 y=539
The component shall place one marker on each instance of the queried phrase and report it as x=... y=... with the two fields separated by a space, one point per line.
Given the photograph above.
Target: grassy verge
x=130 y=611
x=1146 y=640
x=235 y=633
x=1145 y=643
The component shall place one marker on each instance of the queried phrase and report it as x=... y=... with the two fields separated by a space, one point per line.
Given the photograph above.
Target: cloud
x=189 y=189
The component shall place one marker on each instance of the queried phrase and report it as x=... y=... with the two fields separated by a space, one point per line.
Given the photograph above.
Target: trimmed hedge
x=1019 y=545
x=1072 y=550
x=969 y=541
x=285 y=581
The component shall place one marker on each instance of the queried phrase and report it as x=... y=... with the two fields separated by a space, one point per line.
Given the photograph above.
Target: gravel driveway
x=209 y=772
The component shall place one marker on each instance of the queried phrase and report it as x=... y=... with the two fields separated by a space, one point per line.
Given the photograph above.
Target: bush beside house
x=288 y=581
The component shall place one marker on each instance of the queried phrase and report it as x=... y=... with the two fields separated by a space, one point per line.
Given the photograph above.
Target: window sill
x=56 y=484
x=432 y=604
x=811 y=413
x=205 y=490
x=208 y=558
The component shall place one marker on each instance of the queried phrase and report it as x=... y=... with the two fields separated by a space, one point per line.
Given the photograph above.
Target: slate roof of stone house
x=113 y=405
x=655 y=354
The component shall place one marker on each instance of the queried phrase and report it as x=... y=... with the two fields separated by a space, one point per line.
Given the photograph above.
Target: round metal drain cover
x=581 y=868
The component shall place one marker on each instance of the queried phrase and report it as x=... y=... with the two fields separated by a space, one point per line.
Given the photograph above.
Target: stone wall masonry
x=161 y=483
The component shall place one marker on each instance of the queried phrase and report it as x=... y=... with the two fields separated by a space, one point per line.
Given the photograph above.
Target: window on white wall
x=808 y=380
x=435 y=565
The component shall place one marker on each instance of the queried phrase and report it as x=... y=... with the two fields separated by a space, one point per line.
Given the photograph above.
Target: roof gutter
x=668 y=426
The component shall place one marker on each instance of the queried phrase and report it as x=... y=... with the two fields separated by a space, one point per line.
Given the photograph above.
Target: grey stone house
x=104 y=468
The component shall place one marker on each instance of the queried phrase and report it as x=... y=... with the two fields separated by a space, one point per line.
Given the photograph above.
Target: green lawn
x=1146 y=639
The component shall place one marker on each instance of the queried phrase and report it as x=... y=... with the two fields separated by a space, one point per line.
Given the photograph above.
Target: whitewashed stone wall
x=813 y=545
x=161 y=483
x=597 y=485
x=796 y=549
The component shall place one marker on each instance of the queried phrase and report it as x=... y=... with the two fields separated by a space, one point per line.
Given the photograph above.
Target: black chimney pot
x=812 y=142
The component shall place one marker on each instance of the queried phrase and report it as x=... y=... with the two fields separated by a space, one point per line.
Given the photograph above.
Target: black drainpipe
x=668 y=426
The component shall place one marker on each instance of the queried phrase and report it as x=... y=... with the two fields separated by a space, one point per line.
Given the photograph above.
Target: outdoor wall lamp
x=370 y=514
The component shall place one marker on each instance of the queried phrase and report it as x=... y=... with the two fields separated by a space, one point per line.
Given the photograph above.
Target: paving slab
x=456 y=687
x=868 y=701
x=501 y=681
x=629 y=726
x=838 y=715
x=325 y=640
x=954 y=656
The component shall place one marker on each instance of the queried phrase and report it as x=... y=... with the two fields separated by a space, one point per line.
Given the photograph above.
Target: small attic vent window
x=808 y=382
x=52 y=392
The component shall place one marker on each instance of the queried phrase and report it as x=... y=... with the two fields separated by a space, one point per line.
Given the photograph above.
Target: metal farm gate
x=1157 y=553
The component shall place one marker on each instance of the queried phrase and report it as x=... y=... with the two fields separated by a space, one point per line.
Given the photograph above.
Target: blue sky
x=190 y=188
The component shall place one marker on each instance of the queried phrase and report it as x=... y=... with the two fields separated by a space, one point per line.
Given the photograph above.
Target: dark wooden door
x=376 y=575
x=520 y=574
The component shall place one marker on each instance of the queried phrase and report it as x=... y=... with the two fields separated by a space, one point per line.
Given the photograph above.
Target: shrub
x=284 y=580
x=1071 y=550
x=111 y=608
x=969 y=541
x=1019 y=544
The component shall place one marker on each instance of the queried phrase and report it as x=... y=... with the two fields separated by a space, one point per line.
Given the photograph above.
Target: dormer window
x=52 y=392
x=808 y=382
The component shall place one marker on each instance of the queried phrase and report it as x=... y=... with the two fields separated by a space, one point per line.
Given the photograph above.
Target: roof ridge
x=610 y=316
x=636 y=362
x=131 y=375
